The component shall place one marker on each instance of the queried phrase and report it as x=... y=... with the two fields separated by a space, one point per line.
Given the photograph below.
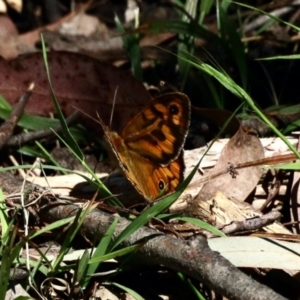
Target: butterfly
x=149 y=148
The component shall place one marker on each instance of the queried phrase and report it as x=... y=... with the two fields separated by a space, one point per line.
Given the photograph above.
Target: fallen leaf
x=254 y=252
x=79 y=82
x=242 y=147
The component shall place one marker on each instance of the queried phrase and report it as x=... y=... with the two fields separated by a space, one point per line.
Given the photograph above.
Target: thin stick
x=113 y=106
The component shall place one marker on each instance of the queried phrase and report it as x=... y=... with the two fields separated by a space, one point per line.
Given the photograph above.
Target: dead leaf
x=253 y=252
x=78 y=81
x=242 y=147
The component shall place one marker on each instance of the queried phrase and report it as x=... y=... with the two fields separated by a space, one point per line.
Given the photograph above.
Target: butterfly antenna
x=113 y=106
x=100 y=120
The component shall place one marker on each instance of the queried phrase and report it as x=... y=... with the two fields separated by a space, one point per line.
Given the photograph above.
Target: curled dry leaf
x=79 y=81
x=242 y=147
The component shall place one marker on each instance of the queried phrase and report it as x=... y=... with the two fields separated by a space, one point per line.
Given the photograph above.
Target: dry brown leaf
x=242 y=147
x=79 y=81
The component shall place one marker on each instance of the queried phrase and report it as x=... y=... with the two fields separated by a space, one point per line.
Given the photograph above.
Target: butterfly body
x=149 y=149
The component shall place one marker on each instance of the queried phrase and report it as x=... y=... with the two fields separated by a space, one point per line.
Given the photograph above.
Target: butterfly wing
x=148 y=177
x=152 y=180
x=158 y=132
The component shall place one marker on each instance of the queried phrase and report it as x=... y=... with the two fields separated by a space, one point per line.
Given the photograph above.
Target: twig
x=6 y=129
x=32 y=136
x=252 y=224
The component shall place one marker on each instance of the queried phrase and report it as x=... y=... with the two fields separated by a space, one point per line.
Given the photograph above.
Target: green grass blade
x=114 y=254
x=289 y=166
x=133 y=293
x=205 y=7
x=101 y=250
x=281 y=57
x=132 y=46
x=4 y=105
x=203 y=225
x=82 y=268
x=53 y=226
x=69 y=138
x=31 y=122
x=191 y=286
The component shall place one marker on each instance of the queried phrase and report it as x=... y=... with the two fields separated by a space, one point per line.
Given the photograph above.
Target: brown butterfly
x=149 y=149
